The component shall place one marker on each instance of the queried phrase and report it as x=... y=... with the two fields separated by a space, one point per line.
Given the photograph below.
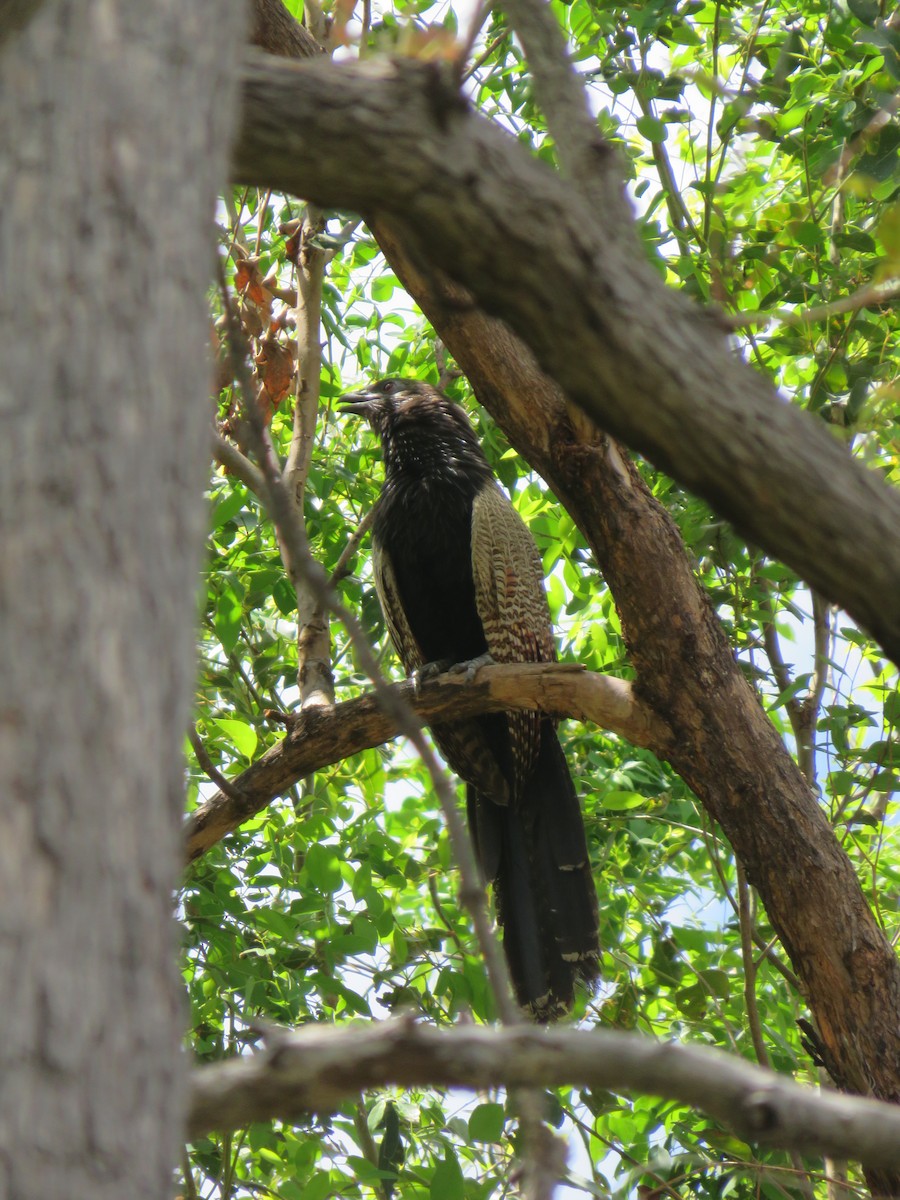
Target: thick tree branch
x=321 y=736
x=637 y=357
x=276 y=31
x=318 y=1067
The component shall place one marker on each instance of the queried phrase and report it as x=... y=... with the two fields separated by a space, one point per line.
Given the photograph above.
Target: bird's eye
x=388 y=386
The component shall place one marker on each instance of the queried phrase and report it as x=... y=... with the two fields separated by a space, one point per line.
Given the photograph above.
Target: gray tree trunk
x=113 y=141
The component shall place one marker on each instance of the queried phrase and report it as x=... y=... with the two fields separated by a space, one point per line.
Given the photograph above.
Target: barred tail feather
x=534 y=852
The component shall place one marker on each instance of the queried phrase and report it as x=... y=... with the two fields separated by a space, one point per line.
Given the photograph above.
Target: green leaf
x=323 y=867
x=285 y=597
x=447 y=1182
x=486 y=1123
x=366 y=1172
x=683 y=35
x=241 y=735
x=619 y=801
x=229 y=613
x=227 y=507
x=653 y=129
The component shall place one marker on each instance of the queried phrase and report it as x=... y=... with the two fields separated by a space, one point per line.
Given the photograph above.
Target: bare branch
x=225 y=786
x=868 y=296
x=318 y=1067
x=314 y=673
x=320 y=736
x=746 y=927
x=238 y=464
x=276 y=31
x=342 y=566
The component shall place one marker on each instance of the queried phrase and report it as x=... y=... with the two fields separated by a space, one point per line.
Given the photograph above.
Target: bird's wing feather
x=512 y=604
x=463 y=743
x=509 y=582
x=394 y=613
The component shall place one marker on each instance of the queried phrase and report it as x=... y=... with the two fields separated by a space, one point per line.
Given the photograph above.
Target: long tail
x=535 y=854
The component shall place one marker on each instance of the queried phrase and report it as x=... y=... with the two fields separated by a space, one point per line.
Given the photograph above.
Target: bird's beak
x=362 y=404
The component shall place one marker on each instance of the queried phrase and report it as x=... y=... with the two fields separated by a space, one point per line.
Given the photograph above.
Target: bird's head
x=379 y=400
x=422 y=431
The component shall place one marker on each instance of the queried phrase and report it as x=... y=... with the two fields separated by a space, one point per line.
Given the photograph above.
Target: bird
x=459 y=578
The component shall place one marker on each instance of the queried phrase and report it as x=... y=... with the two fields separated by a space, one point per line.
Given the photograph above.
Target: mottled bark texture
x=115 y=119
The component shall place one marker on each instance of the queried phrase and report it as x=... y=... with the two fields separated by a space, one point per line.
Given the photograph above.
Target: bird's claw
x=428 y=671
x=470 y=669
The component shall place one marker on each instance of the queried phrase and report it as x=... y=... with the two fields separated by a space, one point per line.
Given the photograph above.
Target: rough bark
x=111 y=137
x=274 y=30
x=322 y=735
x=637 y=357
x=15 y=15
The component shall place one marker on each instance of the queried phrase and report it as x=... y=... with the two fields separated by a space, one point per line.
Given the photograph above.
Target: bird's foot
x=470 y=669
x=429 y=671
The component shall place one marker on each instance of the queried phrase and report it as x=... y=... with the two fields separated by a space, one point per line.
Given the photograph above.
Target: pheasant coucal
x=459 y=576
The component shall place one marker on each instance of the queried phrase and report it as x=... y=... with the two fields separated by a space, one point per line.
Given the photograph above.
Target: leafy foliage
x=765 y=182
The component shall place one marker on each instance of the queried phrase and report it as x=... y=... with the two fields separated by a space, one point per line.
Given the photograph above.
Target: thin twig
x=680 y=218
x=342 y=567
x=237 y=464
x=190 y=1185
x=711 y=126
x=224 y=785
x=476 y=24
x=367 y=1144
x=868 y=296
x=746 y=927
x=782 y=675
x=764 y=945
x=822 y=638
x=485 y=55
x=315 y=677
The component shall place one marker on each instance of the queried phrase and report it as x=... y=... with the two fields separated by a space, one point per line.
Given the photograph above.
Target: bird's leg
x=471 y=668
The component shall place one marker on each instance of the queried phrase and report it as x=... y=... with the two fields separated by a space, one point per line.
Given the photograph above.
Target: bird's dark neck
x=433 y=447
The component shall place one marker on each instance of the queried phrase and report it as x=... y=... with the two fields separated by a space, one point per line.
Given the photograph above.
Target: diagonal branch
x=581 y=148
x=319 y=737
